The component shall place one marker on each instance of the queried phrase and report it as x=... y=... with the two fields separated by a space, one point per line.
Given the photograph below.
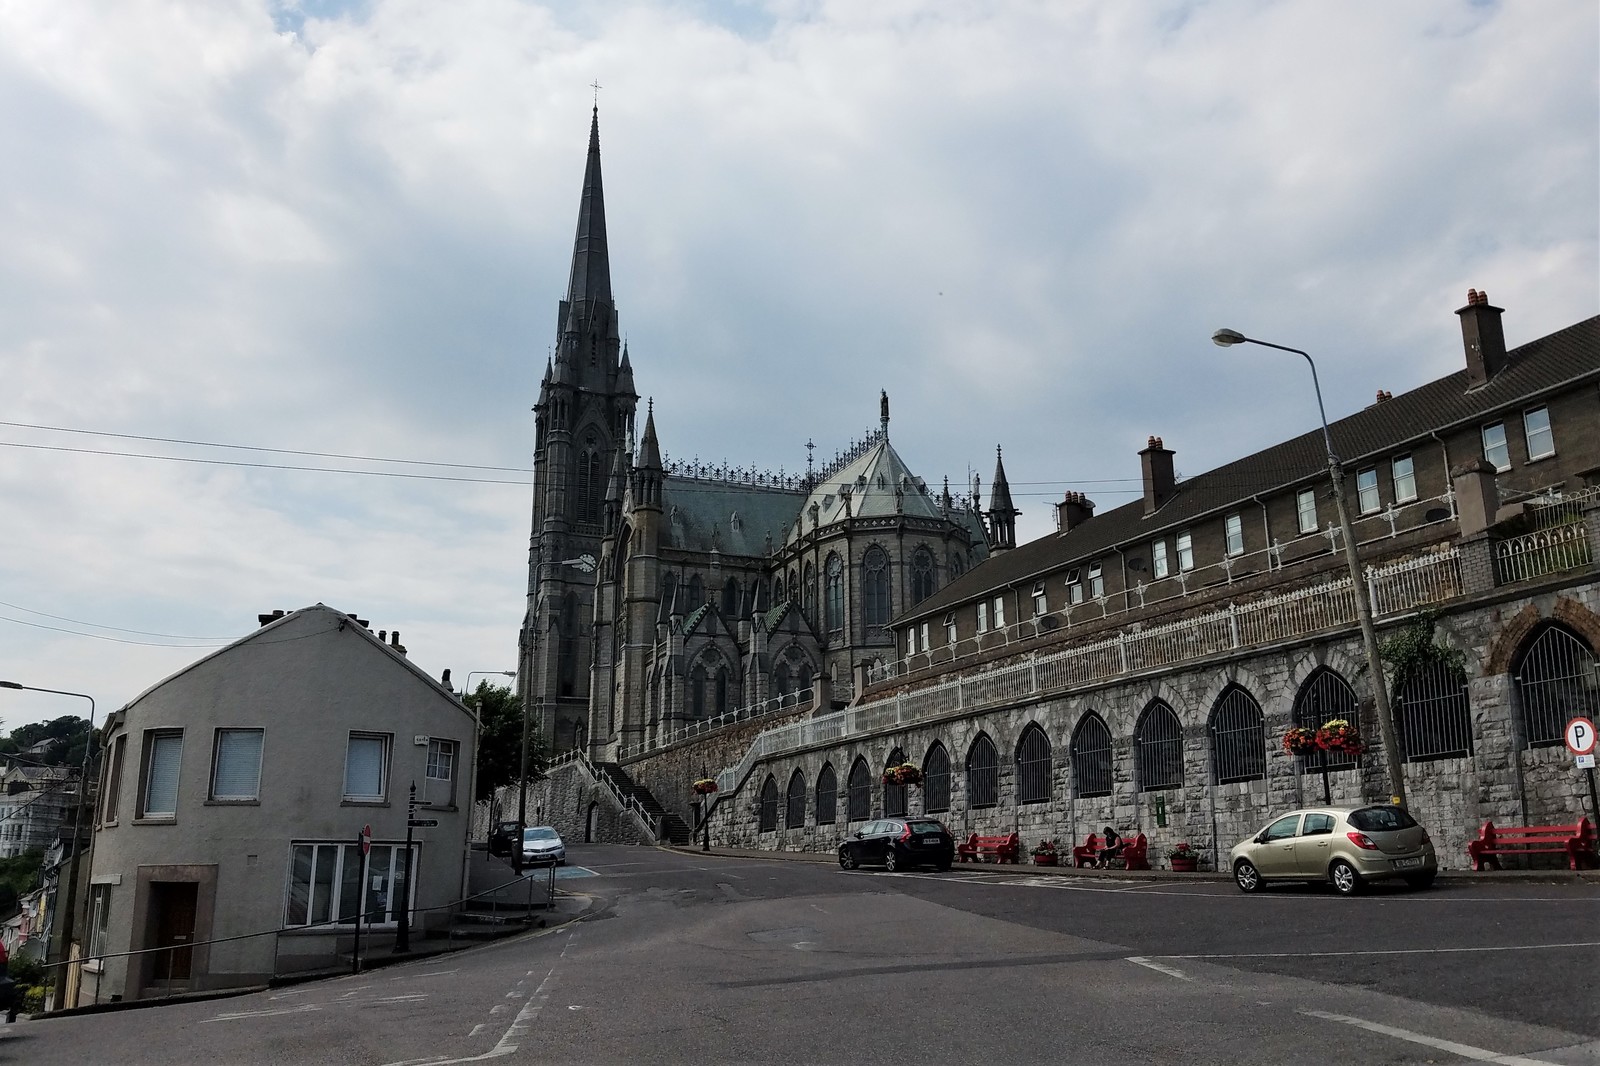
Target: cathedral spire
x=1002 y=515
x=591 y=264
x=649 y=448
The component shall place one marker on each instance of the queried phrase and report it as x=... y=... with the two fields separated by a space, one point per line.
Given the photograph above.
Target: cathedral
x=661 y=594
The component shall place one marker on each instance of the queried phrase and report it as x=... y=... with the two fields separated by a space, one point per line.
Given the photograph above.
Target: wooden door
x=174 y=905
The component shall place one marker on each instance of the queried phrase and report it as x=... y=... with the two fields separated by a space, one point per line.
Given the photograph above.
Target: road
x=705 y=960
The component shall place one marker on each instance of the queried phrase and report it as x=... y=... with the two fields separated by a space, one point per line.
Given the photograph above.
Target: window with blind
x=366 y=764
x=236 y=765
x=158 y=792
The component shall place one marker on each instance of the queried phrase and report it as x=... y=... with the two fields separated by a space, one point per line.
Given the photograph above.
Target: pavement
x=1536 y=876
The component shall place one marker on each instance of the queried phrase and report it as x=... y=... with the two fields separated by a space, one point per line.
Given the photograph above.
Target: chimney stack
x=1073 y=511
x=265 y=619
x=1159 y=482
x=1483 y=337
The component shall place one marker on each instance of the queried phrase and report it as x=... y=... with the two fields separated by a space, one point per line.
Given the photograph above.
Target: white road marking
x=240 y=1015
x=498 y=1008
x=400 y=999
x=1170 y=971
x=1391 y=951
x=476 y=1029
x=1466 y=1051
x=430 y=973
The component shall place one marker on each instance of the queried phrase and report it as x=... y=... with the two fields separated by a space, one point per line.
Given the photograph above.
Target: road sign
x=1580 y=736
x=366 y=839
x=424 y=823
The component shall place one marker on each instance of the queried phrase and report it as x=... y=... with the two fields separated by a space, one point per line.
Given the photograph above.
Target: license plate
x=932 y=838
x=1407 y=864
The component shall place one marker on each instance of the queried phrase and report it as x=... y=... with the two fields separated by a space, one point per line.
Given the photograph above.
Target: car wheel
x=1420 y=881
x=847 y=861
x=1345 y=880
x=891 y=862
x=1246 y=876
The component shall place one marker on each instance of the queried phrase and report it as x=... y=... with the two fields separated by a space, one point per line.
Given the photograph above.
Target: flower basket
x=1301 y=741
x=904 y=774
x=1338 y=735
x=705 y=786
x=1044 y=853
x=1184 y=859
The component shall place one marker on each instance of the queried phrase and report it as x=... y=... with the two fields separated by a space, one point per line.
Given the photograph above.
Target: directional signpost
x=402 y=933
x=1580 y=737
x=364 y=842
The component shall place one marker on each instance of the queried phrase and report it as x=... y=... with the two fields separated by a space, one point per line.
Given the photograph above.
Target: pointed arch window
x=730 y=599
x=922 y=575
x=1434 y=714
x=777 y=590
x=780 y=679
x=1324 y=696
x=669 y=589
x=1238 y=737
x=1033 y=766
x=722 y=691
x=936 y=779
x=1556 y=680
x=834 y=593
x=697 y=592
x=827 y=795
x=983 y=773
x=805 y=677
x=875 y=599
x=808 y=594
x=590 y=483
x=795 y=816
x=697 y=692
x=957 y=567
x=860 y=798
x=1158 y=748
x=894 y=796
x=567 y=656
x=1091 y=757
x=769 y=805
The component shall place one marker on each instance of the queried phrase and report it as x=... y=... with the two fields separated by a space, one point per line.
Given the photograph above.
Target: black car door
x=872 y=842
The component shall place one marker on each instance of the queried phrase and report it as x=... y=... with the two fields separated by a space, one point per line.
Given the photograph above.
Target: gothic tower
x=584 y=415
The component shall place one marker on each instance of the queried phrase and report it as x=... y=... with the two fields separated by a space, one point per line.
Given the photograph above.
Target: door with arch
x=591 y=823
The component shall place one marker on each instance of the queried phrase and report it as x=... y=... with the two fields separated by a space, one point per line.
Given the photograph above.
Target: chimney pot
x=1483 y=337
x=1159 y=479
x=1073 y=511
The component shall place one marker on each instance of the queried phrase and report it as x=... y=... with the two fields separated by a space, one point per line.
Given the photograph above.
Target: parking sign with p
x=1580 y=736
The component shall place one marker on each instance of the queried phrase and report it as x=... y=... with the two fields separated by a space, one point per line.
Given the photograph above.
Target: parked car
x=501 y=839
x=1348 y=846
x=541 y=844
x=899 y=844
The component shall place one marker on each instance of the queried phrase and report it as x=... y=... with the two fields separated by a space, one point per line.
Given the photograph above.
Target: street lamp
x=70 y=913
x=477 y=755
x=1358 y=583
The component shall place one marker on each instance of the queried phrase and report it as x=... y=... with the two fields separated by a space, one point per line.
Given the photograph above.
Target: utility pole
x=402 y=934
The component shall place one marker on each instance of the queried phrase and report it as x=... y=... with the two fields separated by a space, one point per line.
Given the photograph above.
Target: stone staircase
x=673 y=828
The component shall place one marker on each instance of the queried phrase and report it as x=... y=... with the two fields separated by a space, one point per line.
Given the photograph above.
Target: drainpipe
x=1266 y=529
x=1126 y=606
x=1444 y=449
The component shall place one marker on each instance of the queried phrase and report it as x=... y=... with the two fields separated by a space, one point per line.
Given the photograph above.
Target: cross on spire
x=596 y=86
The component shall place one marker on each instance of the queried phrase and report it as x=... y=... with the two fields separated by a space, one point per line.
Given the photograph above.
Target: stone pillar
x=1591 y=522
x=1477 y=499
x=1477 y=564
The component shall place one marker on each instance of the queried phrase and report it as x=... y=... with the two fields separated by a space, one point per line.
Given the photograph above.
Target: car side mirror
x=858 y=834
x=1261 y=837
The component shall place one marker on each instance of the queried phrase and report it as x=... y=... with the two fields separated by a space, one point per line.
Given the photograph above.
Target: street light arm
x=1225 y=337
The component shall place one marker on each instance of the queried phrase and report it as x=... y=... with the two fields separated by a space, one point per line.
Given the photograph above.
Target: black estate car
x=501 y=839
x=899 y=844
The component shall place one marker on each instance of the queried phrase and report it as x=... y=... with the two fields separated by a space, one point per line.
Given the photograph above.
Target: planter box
x=1184 y=865
x=1044 y=860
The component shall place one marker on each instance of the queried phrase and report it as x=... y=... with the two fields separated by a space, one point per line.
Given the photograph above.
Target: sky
x=343 y=228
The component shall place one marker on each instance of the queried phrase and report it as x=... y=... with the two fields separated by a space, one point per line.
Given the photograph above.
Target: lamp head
x=1224 y=338
x=9 y=684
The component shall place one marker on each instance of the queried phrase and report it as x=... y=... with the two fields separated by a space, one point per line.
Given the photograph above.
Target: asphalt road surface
x=708 y=960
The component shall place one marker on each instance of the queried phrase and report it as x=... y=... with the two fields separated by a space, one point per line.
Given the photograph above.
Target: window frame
x=342 y=853
x=1097 y=581
x=1410 y=478
x=454 y=755
x=1185 y=551
x=1233 y=534
x=1041 y=601
x=386 y=754
x=1503 y=445
x=152 y=738
x=999 y=612
x=212 y=795
x=1547 y=431
x=950 y=628
x=1368 y=499
x=1158 y=558
x=983 y=616
x=113 y=784
x=1305 y=507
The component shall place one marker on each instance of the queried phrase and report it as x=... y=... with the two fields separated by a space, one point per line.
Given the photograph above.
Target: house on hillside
x=232 y=799
x=35 y=801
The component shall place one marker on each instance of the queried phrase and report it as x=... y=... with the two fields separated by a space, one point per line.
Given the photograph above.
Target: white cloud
x=345 y=228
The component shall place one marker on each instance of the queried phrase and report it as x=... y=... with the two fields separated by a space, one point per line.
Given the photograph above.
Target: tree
x=63 y=737
x=500 y=740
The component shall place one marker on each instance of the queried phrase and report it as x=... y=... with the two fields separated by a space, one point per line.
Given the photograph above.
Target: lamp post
x=69 y=914
x=1358 y=582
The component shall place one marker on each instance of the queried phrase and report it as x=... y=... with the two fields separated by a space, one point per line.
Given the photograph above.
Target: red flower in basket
x=1339 y=735
x=705 y=786
x=904 y=774
x=1301 y=741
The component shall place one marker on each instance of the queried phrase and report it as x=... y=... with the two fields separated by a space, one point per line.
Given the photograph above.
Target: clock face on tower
x=584 y=563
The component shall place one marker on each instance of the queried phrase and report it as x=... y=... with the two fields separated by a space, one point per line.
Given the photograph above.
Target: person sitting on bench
x=1110 y=848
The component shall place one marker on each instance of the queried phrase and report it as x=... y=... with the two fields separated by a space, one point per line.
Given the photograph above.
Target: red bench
x=977 y=848
x=1135 y=853
x=1576 y=842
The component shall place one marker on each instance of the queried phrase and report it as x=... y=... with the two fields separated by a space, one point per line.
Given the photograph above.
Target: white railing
x=1557 y=508
x=625 y=803
x=792 y=701
x=1178 y=586
x=1544 y=551
x=1404 y=586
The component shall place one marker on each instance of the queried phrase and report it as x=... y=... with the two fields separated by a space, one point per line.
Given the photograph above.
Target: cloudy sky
x=342 y=228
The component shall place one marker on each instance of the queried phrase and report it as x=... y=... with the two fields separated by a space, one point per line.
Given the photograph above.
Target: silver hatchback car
x=1347 y=846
